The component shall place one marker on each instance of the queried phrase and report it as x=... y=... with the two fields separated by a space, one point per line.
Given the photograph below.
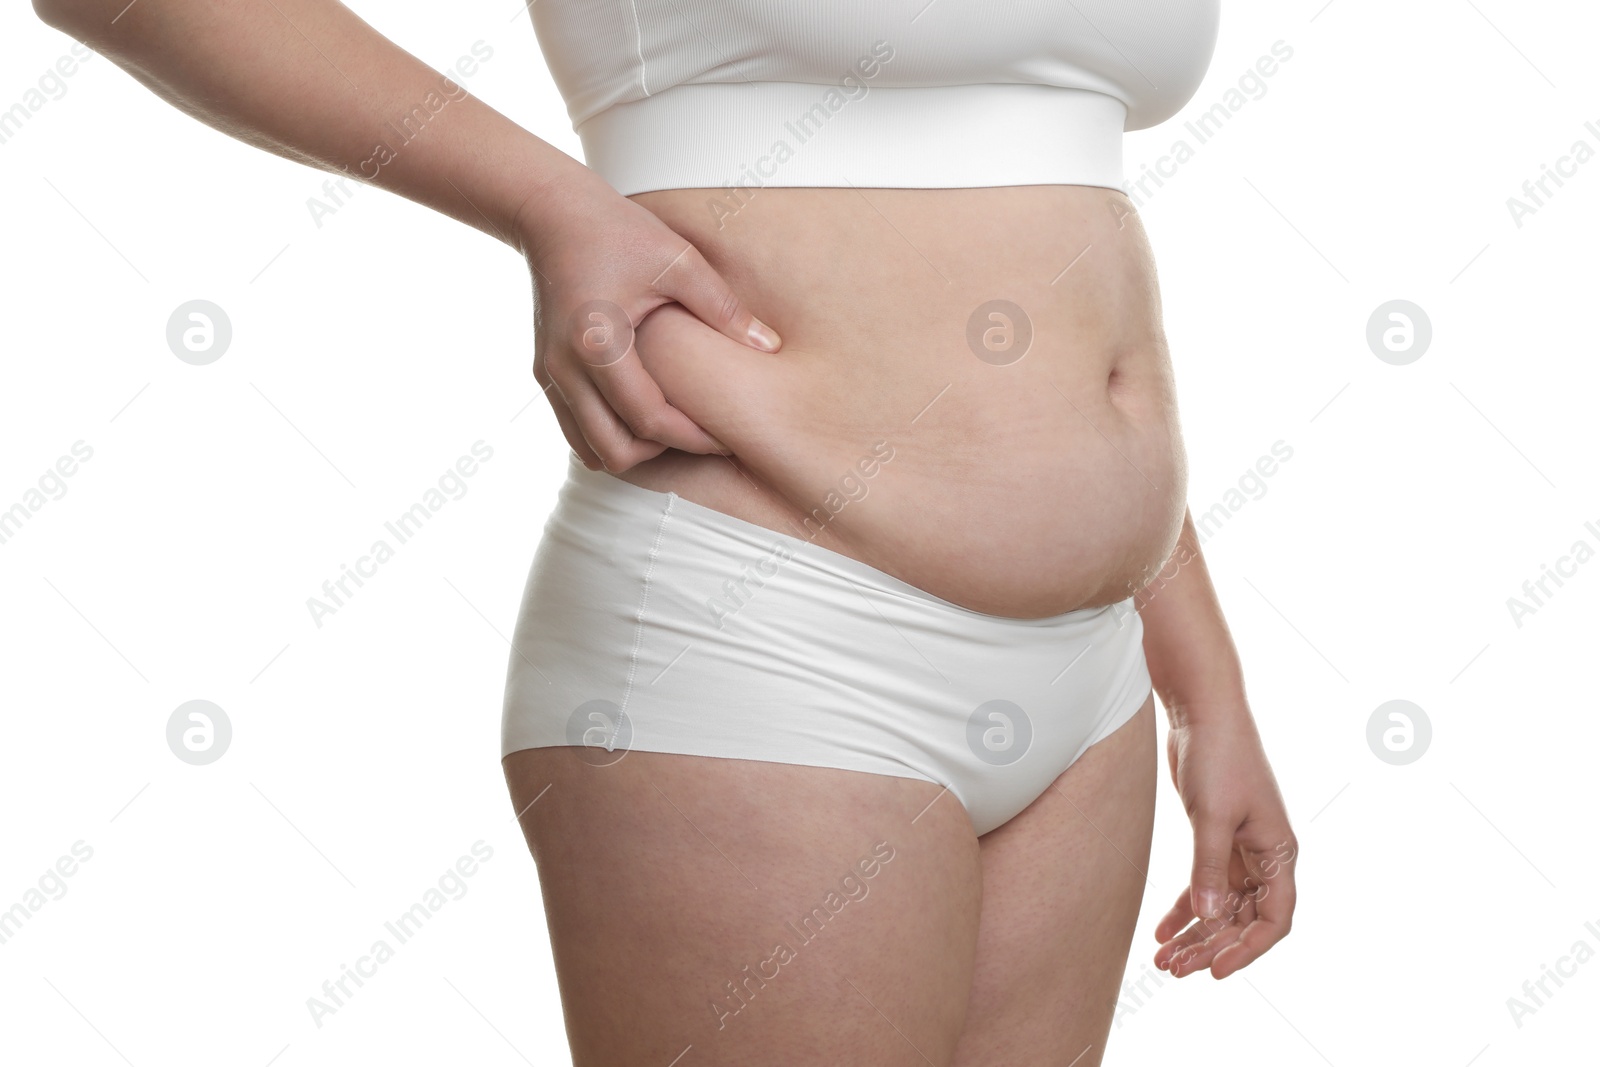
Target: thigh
x=1062 y=884
x=753 y=913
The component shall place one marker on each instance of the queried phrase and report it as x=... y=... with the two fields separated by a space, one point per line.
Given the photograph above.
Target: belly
x=974 y=392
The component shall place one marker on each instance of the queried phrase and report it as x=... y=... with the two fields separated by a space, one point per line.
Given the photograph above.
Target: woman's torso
x=909 y=421
x=886 y=171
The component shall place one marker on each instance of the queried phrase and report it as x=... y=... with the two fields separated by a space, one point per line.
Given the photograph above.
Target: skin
x=659 y=887
x=873 y=291
x=1048 y=484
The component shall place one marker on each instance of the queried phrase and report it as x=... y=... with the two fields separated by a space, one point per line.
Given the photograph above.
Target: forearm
x=1194 y=666
x=310 y=81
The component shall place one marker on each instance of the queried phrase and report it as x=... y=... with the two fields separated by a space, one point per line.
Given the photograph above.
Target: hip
x=651 y=623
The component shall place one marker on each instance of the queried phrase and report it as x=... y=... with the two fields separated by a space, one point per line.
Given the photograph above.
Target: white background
x=372 y=351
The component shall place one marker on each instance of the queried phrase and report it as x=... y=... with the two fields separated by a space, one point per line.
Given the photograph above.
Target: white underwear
x=653 y=623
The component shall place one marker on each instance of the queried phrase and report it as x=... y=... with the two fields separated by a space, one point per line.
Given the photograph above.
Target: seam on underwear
x=638 y=45
x=644 y=600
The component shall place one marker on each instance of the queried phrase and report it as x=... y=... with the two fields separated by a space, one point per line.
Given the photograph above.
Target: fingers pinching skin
x=612 y=440
x=695 y=284
x=738 y=395
x=600 y=263
x=620 y=408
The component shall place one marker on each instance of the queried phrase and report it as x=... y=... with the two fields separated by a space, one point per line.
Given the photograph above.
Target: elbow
x=92 y=23
x=52 y=12
x=76 y=17
x=56 y=13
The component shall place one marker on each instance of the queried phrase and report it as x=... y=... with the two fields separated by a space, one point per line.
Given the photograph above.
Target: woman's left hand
x=1241 y=894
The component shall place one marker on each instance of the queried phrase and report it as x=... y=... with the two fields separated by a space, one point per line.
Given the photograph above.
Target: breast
x=1148 y=54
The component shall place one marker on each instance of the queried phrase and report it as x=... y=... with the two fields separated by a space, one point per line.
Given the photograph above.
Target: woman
x=830 y=715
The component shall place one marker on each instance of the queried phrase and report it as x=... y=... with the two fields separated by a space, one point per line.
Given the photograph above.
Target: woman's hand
x=1241 y=894
x=600 y=264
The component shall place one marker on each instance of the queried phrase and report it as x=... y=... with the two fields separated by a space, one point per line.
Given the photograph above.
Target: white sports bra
x=672 y=94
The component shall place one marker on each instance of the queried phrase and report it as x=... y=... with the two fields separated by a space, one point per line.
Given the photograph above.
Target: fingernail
x=763 y=336
x=1210 y=904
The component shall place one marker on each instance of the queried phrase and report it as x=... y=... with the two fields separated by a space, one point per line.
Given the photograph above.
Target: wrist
x=1217 y=701
x=553 y=199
